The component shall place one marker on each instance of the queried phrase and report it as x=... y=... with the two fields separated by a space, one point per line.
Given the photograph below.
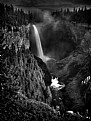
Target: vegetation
x=25 y=79
x=82 y=15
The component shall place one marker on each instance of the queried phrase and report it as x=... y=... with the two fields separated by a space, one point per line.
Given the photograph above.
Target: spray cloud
x=55 y=36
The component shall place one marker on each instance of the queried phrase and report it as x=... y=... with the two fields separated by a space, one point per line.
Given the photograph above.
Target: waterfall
x=38 y=42
x=39 y=46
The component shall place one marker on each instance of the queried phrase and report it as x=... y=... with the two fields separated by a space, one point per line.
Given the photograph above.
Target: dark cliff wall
x=22 y=71
x=72 y=70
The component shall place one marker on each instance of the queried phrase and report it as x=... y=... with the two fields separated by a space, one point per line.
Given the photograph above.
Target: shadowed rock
x=72 y=70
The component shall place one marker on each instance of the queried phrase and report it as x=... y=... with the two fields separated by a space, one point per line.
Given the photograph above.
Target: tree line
x=9 y=16
x=80 y=15
x=16 y=17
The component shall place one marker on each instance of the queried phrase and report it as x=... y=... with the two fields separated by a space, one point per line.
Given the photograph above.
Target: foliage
x=9 y=16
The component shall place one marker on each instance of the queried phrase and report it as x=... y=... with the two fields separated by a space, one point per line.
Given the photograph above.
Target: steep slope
x=19 y=67
x=72 y=70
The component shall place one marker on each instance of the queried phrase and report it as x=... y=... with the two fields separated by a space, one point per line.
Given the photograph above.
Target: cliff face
x=43 y=66
x=20 y=68
x=24 y=88
x=72 y=71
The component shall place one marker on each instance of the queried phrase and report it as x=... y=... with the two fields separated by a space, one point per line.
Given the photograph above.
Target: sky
x=64 y=3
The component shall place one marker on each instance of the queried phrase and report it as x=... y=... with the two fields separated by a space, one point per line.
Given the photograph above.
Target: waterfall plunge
x=39 y=46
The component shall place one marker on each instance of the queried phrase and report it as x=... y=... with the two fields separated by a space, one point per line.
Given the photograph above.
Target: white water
x=39 y=46
x=38 y=42
x=56 y=85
